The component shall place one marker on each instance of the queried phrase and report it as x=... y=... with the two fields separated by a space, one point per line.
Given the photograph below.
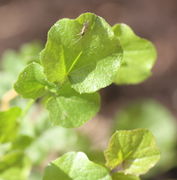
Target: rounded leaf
x=139 y=56
x=83 y=50
x=71 y=109
x=155 y=117
x=75 y=166
x=132 y=152
x=31 y=81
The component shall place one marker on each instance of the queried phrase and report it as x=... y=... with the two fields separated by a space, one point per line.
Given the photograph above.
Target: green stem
x=29 y=104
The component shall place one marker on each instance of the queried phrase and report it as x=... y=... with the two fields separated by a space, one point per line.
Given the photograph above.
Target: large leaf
x=31 y=82
x=122 y=176
x=139 y=56
x=71 y=109
x=84 y=50
x=155 y=117
x=75 y=166
x=132 y=152
x=9 y=124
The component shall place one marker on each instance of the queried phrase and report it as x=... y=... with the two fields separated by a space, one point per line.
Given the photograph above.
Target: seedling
x=66 y=78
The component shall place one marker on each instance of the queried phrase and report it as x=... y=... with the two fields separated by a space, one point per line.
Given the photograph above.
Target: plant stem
x=8 y=96
x=29 y=104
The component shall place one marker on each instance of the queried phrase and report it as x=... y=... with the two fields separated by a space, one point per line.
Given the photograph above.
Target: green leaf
x=12 y=62
x=139 y=56
x=19 y=171
x=152 y=115
x=71 y=109
x=10 y=159
x=122 y=176
x=75 y=166
x=31 y=82
x=132 y=152
x=84 y=50
x=9 y=124
x=46 y=138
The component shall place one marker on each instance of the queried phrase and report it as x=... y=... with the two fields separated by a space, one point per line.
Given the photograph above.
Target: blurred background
x=25 y=21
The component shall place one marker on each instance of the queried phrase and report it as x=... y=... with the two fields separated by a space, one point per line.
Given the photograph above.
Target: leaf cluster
x=80 y=57
x=129 y=154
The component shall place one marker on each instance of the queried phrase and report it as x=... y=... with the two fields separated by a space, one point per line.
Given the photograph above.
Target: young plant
x=129 y=154
x=150 y=114
x=81 y=56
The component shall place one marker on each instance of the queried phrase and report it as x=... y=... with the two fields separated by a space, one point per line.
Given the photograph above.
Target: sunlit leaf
x=155 y=117
x=84 y=50
x=139 y=56
x=71 y=109
x=74 y=166
x=132 y=151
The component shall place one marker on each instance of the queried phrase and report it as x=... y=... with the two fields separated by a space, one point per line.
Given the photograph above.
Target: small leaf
x=71 y=109
x=122 y=176
x=139 y=56
x=132 y=152
x=9 y=124
x=150 y=114
x=84 y=50
x=75 y=166
x=31 y=82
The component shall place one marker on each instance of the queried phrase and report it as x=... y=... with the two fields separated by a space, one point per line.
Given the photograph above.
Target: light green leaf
x=31 y=82
x=71 y=109
x=84 y=50
x=122 y=176
x=132 y=151
x=11 y=158
x=18 y=171
x=9 y=124
x=75 y=166
x=152 y=115
x=139 y=56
